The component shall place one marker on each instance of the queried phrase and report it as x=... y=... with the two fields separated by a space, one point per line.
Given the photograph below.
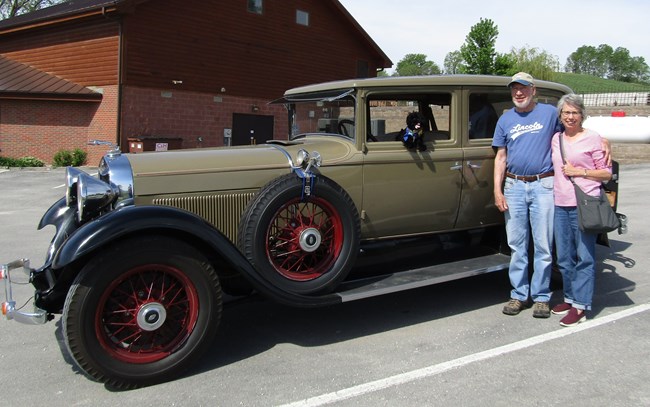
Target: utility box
x=142 y=144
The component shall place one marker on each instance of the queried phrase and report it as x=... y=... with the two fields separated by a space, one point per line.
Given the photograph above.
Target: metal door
x=251 y=129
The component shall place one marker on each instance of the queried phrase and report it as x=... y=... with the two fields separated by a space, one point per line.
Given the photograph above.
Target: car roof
x=429 y=80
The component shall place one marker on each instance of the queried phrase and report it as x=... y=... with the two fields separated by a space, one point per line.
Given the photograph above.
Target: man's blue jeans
x=530 y=209
x=575 y=258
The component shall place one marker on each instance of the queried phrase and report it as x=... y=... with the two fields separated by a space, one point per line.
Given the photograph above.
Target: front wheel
x=301 y=243
x=142 y=311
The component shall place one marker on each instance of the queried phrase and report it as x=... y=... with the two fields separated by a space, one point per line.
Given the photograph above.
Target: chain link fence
x=617 y=99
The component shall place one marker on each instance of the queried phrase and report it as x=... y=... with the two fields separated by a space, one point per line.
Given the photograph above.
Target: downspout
x=118 y=127
x=118 y=130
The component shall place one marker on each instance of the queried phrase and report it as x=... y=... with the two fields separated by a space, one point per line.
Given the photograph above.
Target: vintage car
x=338 y=210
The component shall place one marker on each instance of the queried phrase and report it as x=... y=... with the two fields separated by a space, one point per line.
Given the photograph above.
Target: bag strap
x=561 y=137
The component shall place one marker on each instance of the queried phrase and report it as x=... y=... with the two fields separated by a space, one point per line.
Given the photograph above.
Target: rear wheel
x=142 y=312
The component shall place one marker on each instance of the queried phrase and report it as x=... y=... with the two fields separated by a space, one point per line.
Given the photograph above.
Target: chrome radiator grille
x=223 y=211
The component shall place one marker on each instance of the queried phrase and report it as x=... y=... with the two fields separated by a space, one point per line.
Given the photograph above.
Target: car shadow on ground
x=255 y=325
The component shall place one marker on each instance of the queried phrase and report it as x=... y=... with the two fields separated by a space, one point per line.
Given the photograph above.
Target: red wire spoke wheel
x=304 y=239
x=146 y=315
x=301 y=243
x=142 y=311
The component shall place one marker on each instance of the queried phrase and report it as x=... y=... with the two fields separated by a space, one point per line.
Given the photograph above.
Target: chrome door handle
x=456 y=166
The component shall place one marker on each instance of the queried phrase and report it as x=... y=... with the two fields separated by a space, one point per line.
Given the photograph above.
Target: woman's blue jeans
x=575 y=258
x=530 y=209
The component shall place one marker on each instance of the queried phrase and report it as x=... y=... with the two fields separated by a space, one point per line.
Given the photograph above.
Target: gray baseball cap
x=523 y=78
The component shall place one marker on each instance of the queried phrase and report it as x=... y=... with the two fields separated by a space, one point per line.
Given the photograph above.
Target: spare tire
x=301 y=243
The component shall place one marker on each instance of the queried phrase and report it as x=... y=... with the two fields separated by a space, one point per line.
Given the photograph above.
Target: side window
x=302 y=17
x=388 y=115
x=485 y=108
x=255 y=6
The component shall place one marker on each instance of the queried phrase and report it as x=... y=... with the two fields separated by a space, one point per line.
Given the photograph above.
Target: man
x=522 y=139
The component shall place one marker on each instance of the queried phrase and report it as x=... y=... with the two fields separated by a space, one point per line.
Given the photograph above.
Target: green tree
x=606 y=62
x=12 y=8
x=478 y=52
x=620 y=65
x=602 y=66
x=453 y=63
x=504 y=64
x=539 y=63
x=584 y=60
x=416 y=65
x=640 y=71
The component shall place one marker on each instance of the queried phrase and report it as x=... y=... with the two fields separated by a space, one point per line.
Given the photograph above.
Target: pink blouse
x=585 y=152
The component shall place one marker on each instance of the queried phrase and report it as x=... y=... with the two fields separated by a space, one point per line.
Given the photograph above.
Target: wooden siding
x=86 y=54
x=216 y=44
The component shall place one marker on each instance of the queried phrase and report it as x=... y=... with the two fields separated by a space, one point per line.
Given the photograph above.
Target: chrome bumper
x=9 y=310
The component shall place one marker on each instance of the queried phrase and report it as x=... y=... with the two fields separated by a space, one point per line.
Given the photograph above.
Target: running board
x=421 y=277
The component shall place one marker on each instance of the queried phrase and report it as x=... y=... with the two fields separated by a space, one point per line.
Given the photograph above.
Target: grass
x=591 y=84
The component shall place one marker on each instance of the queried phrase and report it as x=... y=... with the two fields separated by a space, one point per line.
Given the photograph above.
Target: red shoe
x=561 y=309
x=573 y=318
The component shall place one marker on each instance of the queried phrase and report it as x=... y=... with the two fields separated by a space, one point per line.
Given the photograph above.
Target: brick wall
x=189 y=115
x=40 y=129
x=641 y=110
x=33 y=128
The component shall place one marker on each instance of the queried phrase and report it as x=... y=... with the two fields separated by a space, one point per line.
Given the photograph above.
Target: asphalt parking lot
x=445 y=345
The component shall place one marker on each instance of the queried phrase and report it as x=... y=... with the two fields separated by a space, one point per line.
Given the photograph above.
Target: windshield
x=331 y=113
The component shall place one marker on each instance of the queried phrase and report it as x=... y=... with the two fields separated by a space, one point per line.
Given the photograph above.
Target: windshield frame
x=330 y=113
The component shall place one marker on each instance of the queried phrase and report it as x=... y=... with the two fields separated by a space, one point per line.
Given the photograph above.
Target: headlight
x=93 y=195
x=306 y=160
x=90 y=195
x=316 y=159
x=301 y=157
x=71 y=179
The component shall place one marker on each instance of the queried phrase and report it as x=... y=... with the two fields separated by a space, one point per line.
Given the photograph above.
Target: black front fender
x=134 y=219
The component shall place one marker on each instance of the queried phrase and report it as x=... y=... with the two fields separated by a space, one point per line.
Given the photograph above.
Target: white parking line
x=433 y=370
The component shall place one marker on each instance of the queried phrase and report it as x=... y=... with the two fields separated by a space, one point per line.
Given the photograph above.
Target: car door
x=481 y=107
x=408 y=192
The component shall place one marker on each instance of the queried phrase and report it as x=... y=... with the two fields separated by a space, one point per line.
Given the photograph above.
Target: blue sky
x=435 y=28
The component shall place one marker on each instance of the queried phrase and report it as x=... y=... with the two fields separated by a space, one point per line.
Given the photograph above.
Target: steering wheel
x=344 y=130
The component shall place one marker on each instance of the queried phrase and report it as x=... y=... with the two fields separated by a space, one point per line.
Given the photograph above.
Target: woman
x=587 y=166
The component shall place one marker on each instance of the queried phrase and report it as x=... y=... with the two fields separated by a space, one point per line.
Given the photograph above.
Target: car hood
x=275 y=154
x=230 y=168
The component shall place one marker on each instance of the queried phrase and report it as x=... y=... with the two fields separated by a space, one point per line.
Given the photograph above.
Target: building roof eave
x=387 y=62
x=65 y=12
x=60 y=97
x=20 y=81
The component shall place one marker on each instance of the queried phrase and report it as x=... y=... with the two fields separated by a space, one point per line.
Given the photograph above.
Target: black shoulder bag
x=595 y=214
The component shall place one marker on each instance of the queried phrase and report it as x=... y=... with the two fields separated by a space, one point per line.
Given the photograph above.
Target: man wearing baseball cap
x=523 y=168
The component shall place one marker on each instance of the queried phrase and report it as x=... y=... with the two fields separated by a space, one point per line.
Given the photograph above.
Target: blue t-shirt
x=527 y=139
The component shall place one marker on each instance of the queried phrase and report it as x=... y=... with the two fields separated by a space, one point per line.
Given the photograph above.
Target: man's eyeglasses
x=570 y=113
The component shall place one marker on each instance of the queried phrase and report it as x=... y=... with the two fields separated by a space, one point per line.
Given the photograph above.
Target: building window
x=255 y=6
x=302 y=17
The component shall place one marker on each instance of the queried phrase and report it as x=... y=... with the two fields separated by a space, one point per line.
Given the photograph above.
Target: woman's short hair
x=573 y=100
